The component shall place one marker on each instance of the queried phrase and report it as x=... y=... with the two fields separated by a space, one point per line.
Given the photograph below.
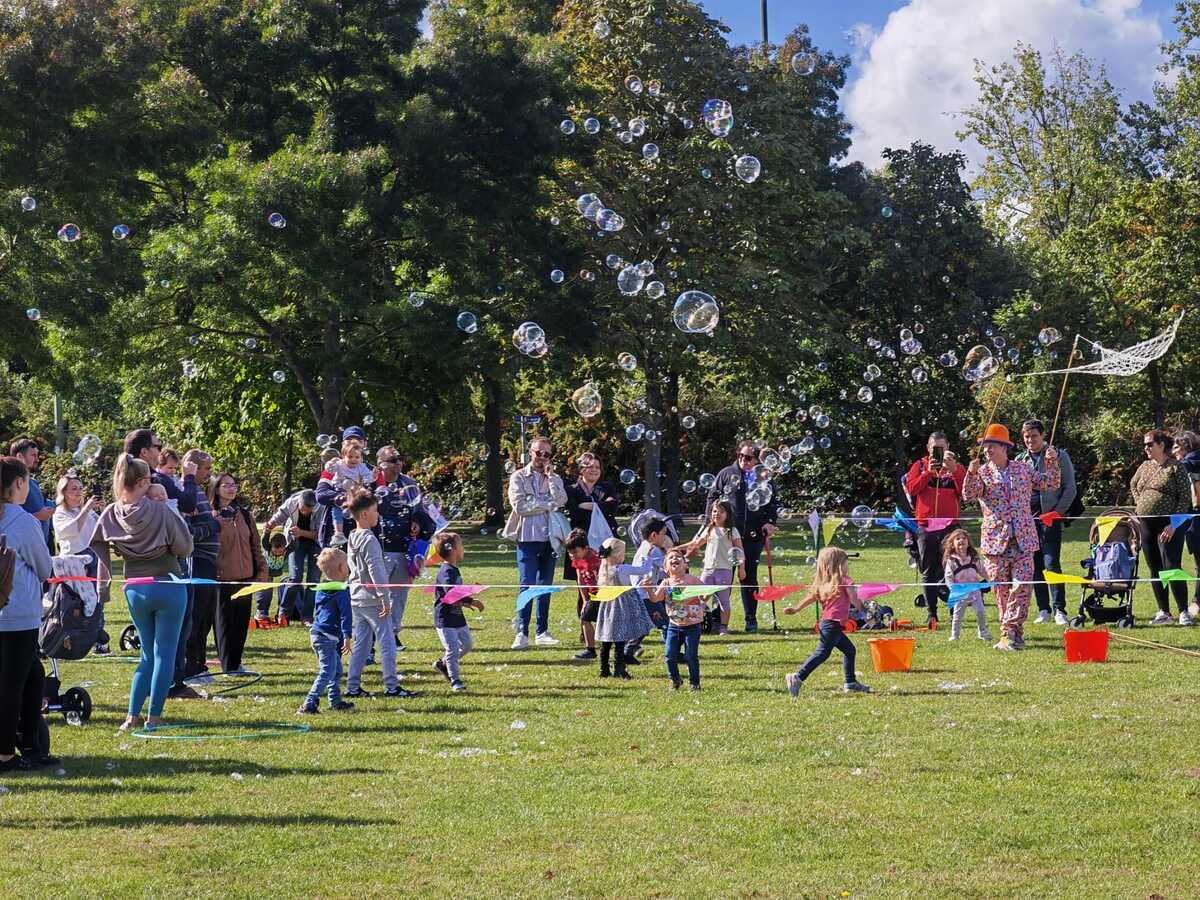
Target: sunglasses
x=747 y=456
x=546 y=454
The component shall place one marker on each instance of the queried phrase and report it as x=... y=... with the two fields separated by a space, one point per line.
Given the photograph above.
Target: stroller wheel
x=77 y=700
x=1126 y=622
x=129 y=639
x=1077 y=622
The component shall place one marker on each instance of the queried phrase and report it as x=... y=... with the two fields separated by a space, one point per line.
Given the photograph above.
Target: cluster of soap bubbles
x=189 y=369
x=593 y=210
x=979 y=364
x=587 y=401
x=530 y=339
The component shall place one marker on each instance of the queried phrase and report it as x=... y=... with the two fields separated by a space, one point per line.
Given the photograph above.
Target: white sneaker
x=1060 y=618
x=521 y=642
x=546 y=639
x=1185 y=618
x=1043 y=617
x=1162 y=618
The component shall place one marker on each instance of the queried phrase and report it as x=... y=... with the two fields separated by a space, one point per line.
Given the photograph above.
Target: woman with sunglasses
x=1161 y=489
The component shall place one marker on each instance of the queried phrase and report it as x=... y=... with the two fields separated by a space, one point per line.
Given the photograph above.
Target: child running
x=625 y=618
x=963 y=566
x=330 y=634
x=832 y=586
x=452 y=628
x=723 y=553
x=586 y=563
x=685 y=616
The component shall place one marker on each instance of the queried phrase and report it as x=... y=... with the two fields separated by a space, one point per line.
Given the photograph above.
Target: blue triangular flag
x=1181 y=520
x=961 y=591
x=527 y=596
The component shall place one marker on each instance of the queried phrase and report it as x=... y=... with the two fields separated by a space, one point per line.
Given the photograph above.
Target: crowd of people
x=349 y=547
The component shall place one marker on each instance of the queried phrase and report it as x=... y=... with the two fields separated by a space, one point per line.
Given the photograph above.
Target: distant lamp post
x=764 y=26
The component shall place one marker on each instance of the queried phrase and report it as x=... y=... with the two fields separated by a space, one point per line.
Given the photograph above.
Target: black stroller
x=71 y=623
x=1112 y=568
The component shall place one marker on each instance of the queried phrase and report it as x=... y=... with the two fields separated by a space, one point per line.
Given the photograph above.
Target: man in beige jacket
x=535 y=493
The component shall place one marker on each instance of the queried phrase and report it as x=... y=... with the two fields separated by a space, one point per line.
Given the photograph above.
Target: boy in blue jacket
x=330 y=631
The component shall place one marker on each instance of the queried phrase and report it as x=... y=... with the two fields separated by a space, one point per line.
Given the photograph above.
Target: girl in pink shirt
x=833 y=587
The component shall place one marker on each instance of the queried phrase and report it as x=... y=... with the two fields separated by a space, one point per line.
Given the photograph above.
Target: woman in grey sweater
x=21 y=616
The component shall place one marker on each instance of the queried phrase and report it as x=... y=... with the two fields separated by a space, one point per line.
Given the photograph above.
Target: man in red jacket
x=935 y=483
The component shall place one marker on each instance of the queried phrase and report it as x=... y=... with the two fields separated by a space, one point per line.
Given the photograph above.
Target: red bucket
x=1086 y=646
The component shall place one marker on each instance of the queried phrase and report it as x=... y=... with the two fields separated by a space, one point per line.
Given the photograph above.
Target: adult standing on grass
x=1004 y=489
x=239 y=561
x=402 y=519
x=75 y=520
x=1049 y=556
x=584 y=494
x=30 y=455
x=756 y=525
x=935 y=485
x=151 y=539
x=1161 y=489
x=21 y=684
x=206 y=537
x=296 y=516
x=1187 y=451
x=535 y=493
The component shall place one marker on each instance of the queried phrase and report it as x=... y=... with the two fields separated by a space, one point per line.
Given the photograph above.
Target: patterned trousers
x=1013 y=564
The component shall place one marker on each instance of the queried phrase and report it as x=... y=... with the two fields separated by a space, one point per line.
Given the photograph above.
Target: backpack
x=1112 y=562
x=67 y=632
x=8 y=568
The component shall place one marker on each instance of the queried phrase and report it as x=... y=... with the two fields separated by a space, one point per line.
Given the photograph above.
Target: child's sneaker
x=457 y=686
x=793 y=682
x=856 y=687
x=339 y=540
x=953 y=637
x=399 y=692
x=358 y=693
x=724 y=629
x=694 y=688
x=440 y=666
x=309 y=709
x=342 y=706
x=1003 y=644
x=676 y=685
x=1018 y=643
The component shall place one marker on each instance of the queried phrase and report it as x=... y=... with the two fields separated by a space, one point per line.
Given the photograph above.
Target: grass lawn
x=978 y=774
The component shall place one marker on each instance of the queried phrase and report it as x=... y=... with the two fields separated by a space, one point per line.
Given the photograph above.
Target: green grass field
x=977 y=774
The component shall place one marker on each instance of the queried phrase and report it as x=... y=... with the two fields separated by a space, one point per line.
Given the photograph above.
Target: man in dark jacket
x=401 y=513
x=755 y=525
x=142 y=444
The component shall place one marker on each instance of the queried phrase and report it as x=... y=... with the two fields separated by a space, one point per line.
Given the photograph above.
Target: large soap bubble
x=630 y=280
x=528 y=336
x=608 y=220
x=1048 y=336
x=633 y=84
x=586 y=400
x=718 y=117
x=804 y=62
x=696 y=312
x=627 y=476
x=467 y=322
x=747 y=168
x=275 y=220
x=627 y=361
x=69 y=233
x=566 y=126
x=861 y=516
x=88 y=450
x=979 y=364
x=635 y=431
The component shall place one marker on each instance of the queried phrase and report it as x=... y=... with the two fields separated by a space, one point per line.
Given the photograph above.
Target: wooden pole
x=1063 y=393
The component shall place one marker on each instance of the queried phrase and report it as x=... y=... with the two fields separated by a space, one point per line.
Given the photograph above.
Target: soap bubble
x=979 y=364
x=324 y=440
x=69 y=233
x=1014 y=355
x=28 y=204
x=630 y=281
x=88 y=450
x=886 y=212
x=1048 y=336
x=747 y=168
x=633 y=84
x=759 y=495
x=591 y=125
x=718 y=117
x=655 y=289
x=865 y=394
x=368 y=420
x=771 y=460
x=911 y=348
x=33 y=314
x=635 y=431
x=586 y=400
x=919 y=375
x=120 y=232
x=584 y=201
x=804 y=63
x=807 y=444
x=707 y=480
x=861 y=516
x=601 y=29
x=279 y=376
x=627 y=476
x=566 y=126
x=609 y=220
x=557 y=276
x=275 y=220
x=528 y=336
x=646 y=268
x=696 y=312
x=654 y=88
x=706 y=173
x=905 y=335
x=587 y=275
x=627 y=361
x=250 y=343
x=613 y=261
x=637 y=127
x=467 y=322
x=821 y=420
x=688 y=422
x=688 y=487
x=949 y=359
x=651 y=435
x=189 y=369
x=412 y=429
x=825 y=443
x=873 y=371
x=650 y=151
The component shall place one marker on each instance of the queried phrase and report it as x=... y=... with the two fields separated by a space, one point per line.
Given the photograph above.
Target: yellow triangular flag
x=432 y=556
x=253 y=589
x=1059 y=578
x=1105 y=525
x=611 y=592
x=829 y=527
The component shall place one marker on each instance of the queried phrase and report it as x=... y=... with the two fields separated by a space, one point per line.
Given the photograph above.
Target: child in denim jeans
x=330 y=632
x=832 y=586
x=685 y=616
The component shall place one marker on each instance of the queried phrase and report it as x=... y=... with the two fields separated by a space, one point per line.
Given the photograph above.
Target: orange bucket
x=1086 y=646
x=892 y=654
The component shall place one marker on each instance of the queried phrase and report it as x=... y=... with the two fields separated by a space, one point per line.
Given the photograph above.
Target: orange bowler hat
x=997 y=434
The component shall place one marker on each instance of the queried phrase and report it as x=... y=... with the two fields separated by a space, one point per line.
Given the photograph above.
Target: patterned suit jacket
x=1006 y=507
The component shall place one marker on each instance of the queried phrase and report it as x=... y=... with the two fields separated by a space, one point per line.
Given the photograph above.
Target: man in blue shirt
x=28 y=452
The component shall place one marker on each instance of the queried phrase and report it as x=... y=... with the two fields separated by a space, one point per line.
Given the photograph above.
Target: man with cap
x=403 y=520
x=1005 y=489
x=295 y=515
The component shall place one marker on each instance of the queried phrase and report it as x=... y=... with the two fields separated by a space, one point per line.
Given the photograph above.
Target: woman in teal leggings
x=151 y=537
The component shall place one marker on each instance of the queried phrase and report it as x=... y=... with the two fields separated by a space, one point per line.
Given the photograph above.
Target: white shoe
x=1043 y=617
x=521 y=642
x=1060 y=618
x=546 y=639
x=339 y=540
x=1162 y=618
x=1185 y=618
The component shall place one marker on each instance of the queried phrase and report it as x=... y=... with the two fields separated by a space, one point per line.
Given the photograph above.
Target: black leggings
x=20 y=689
x=1163 y=556
x=233 y=622
x=606 y=648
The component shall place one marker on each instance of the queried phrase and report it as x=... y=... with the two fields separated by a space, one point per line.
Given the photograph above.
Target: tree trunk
x=1157 y=406
x=494 y=467
x=670 y=441
x=652 y=496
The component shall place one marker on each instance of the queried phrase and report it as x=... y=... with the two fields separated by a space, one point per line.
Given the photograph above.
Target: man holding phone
x=935 y=483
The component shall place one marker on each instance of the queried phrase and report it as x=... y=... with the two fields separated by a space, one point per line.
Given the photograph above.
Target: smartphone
x=97 y=490
x=938 y=455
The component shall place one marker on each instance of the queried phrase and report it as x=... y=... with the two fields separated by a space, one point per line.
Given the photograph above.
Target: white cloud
x=917 y=72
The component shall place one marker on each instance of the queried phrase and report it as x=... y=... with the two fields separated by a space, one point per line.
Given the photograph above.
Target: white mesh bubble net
x=1121 y=362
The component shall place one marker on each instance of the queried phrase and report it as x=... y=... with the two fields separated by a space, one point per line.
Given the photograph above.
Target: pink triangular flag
x=874 y=589
x=938 y=524
x=462 y=592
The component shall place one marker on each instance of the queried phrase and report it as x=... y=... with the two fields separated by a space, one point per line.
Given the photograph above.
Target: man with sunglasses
x=142 y=444
x=535 y=492
x=755 y=525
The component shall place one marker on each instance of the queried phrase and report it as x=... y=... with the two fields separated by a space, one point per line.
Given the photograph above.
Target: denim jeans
x=397 y=573
x=1048 y=557
x=329 y=670
x=832 y=636
x=689 y=638
x=262 y=602
x=297 y=602
x=535 y=565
